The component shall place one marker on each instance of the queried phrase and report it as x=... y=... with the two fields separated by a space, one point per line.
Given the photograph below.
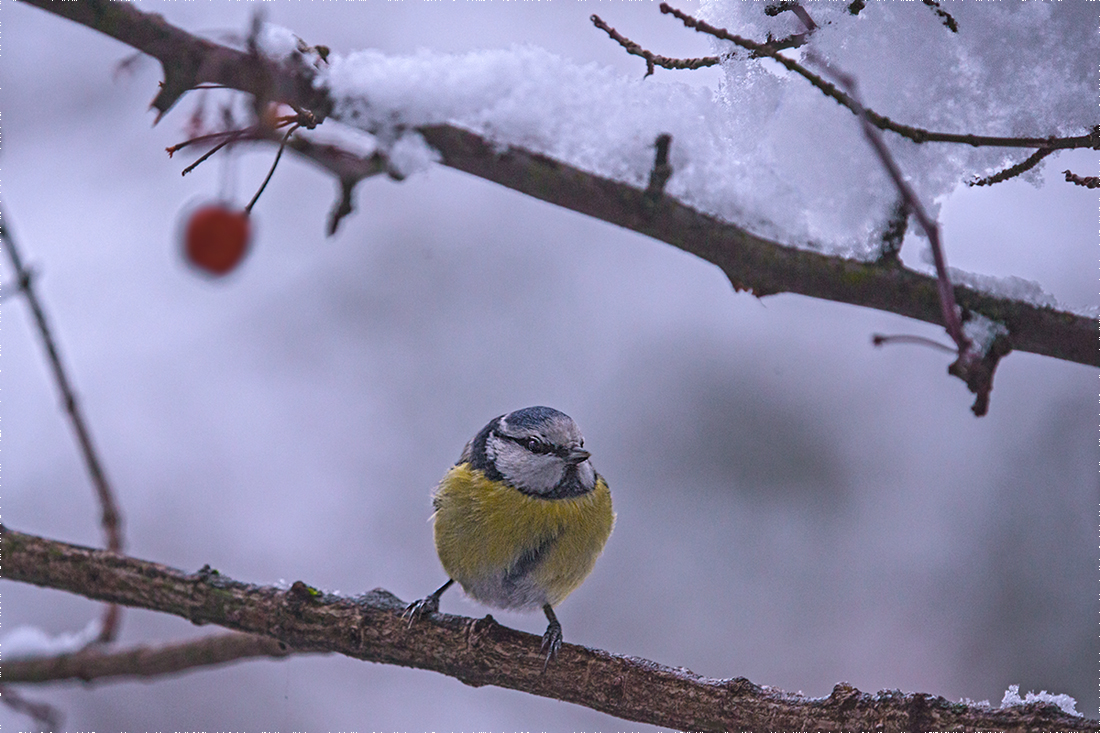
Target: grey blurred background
x=794 y=506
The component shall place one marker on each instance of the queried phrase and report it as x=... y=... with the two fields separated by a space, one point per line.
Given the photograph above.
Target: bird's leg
x=428 y=605
x=551 y=640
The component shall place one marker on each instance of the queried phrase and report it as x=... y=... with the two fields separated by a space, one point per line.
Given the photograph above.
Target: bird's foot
x=552 y=639
x=425 y=606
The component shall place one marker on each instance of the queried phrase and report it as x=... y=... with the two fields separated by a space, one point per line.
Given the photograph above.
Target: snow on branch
x=480 y=652
x=480 y=113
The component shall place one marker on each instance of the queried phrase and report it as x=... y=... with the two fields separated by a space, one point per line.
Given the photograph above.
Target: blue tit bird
x=521 y=518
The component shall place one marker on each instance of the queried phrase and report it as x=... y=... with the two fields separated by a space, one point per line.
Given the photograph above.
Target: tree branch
x=110 y=516
x=479 y=652
x=757 y=264
x=188 y=60
x=92 y=663
x=751 y=262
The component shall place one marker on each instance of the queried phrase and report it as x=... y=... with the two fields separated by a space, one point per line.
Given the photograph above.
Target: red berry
x=216 y=238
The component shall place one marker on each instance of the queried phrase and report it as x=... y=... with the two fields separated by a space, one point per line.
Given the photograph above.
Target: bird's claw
x=423 y=607
x=551 y=643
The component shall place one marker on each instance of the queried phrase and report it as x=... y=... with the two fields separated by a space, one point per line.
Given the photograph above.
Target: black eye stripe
x=533 y=444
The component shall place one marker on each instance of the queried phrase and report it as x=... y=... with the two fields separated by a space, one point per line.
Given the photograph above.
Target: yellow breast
x=511 y=550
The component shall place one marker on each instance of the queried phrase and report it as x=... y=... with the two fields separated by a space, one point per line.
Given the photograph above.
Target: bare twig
x=974 y=365
x=1086 y=181
x=110 y=517
x=143 y=661
x=652 y=59
x=1013 y=171
x=913 y=204
x=879 y=339
x=271 y=172
x=482 y=652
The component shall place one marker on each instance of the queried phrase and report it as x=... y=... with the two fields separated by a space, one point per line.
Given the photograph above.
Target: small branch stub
x=662 y=171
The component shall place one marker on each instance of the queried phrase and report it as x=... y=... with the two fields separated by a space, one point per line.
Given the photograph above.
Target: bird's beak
x=578 y=455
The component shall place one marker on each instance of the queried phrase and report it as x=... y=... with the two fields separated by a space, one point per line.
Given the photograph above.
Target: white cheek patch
x=587 y=475
x=536 y=474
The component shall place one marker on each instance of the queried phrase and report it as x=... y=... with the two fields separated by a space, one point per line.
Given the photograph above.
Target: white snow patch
x=983 y=331
x=31 y=641
x=1012 y=697
x=277 y=42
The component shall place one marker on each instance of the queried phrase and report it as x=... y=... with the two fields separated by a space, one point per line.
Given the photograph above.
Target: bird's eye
x=535 y=445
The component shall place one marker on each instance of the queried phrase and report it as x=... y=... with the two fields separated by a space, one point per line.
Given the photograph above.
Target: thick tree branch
x=751 y=262
x=757 y=264
x=482 y=652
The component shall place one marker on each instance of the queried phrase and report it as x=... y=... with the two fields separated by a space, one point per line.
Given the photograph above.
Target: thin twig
x=222 y=137
x=879 y=339
x=1013 y=171
x=270 y=173
x=913 y=204
x=111 y=518
x=202 y=158
x=652 y=59
x=1086 y=181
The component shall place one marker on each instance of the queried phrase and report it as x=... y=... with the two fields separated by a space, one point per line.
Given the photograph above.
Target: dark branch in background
x=43 y=713
x=751 y=263
x=1086 y=181
x=110 y=517
x=482 y=652
x=143 y=661
x=915 y=134
x=950 y=23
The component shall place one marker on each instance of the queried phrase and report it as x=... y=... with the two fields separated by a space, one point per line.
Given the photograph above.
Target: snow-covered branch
x=761 y=264
x=482 y=652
